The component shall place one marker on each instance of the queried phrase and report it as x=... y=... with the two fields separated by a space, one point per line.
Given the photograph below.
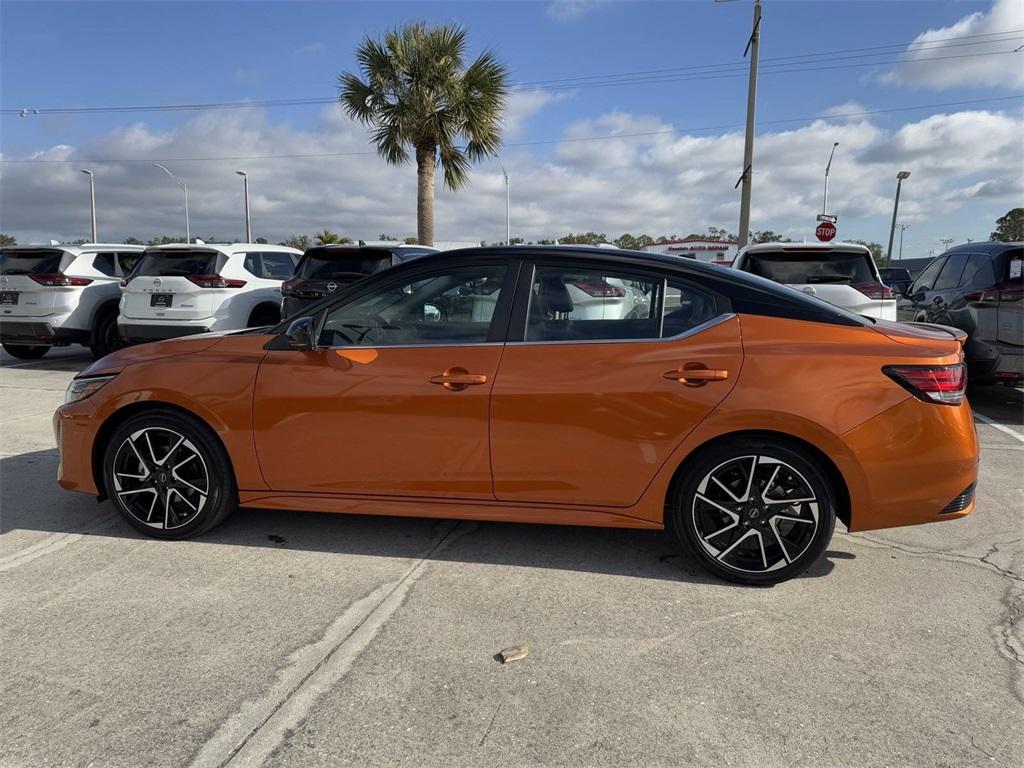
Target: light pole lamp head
x=86 y=171
x=241 y=173
x=903 y=175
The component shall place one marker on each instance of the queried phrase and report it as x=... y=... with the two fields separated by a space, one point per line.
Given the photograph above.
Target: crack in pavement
x=259 y=726
x=950 y=557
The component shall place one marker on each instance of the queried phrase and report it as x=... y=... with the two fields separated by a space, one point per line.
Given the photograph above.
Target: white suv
x=843 y=274
x=177 y=290
x=56 y=295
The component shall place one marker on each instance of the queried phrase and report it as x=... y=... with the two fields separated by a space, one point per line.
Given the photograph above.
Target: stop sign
x=825 y=231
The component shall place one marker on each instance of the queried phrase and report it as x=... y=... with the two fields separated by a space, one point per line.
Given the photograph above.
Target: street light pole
x=508 y=206
x=92 y=197
x=895 y=208
x=184 y=189
x=903 y=228
x=824 y=199
x=248 y=221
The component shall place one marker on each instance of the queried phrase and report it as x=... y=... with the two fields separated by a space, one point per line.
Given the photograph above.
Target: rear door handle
x=456 y=379
x=696 y=375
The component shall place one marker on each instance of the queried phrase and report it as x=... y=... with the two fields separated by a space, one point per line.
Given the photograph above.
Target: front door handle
x=456 y=379
x=696 y=374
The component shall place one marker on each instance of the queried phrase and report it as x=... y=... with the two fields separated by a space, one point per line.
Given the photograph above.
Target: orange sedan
x=544 y=385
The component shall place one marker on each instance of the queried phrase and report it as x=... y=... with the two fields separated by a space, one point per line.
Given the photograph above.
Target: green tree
x=132 y=241
x=296 y=241
x=260 y=240
x=1009 y=228
x=388 y=238
x=416 y=92
x=627 y=240
x=326 y=237
x=7 y=240
x=411 y=241
x=767 y=236
x=876 y=251
x=583 y=238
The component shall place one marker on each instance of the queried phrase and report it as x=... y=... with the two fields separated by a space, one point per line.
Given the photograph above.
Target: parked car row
x=105 y=295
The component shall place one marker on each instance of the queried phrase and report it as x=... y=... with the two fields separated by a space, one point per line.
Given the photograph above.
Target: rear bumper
x=40 y=332
x=918 y=459
x=137 y=333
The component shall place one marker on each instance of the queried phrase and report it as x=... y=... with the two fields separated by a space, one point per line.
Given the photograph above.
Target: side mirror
x=300 y=334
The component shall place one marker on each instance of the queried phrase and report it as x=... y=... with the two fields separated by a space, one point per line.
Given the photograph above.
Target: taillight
x=945 y=384
x=874 y=290
x=60 y=281
x=290 y=285
x=599 y=287
x=215 y=281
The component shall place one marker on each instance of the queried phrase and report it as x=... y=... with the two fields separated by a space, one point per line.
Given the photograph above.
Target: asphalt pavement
x=300 y=639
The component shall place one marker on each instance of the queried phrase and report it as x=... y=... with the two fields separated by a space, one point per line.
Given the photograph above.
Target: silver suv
x=56 y=295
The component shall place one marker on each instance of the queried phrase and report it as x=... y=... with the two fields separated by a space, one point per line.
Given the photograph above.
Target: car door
x=586 y=408
x=394 y=399
x=941 y=300
x=912 y=310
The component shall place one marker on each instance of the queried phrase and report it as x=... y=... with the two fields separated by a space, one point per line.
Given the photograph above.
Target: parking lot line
x=1001 y=427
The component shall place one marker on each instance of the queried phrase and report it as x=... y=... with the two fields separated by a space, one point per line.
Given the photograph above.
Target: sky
x=623 y=117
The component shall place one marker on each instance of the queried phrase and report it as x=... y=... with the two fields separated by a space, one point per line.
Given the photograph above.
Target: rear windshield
x=331 y=264
x=41 y=262
x=178 y=263
x=796 y=268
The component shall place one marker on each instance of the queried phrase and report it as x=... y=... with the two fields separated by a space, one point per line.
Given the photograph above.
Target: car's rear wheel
x=105 y=338
x=168 y=475
x=754 y=511
x=26 y=351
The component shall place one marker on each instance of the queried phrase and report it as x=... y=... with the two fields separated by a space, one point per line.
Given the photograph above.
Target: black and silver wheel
x=755 y=512
x=26 y=351
x=168 y=475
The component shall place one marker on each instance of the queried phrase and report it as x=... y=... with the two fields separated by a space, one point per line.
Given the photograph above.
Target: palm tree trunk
x=425 y=167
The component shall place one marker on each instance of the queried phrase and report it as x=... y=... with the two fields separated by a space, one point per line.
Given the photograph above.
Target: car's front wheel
x=25 y=351
x=754 y=511
x=169 y=475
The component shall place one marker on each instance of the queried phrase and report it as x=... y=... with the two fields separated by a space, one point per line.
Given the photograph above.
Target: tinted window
x=927 y=277
x=798 y=268
x=180 y=263
x=41 y=262
x=1013 y=271
x=104 y=262
x=278 y=266
x=950 y=275
x=252 y=264
x=339 y=263
x=685 y=308
x=128 y=260
x=592 y=305
x=452 y=307
x=978 y=273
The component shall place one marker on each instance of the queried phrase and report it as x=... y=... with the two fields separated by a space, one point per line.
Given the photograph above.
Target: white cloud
x=571 y=10
x=522 y=105
x=934 y=63
x=661 y=182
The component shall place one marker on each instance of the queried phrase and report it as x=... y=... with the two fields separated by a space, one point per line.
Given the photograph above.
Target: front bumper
x=40 y=332
x=74 y=427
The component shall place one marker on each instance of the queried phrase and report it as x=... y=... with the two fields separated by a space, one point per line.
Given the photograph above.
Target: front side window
x=570 y=304
x=456 y=306
x=926 y=279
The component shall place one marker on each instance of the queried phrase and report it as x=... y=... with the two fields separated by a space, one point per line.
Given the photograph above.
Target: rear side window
x=41 y=262
x=926 y=279
x=334 y=264
x=950 y=275
x=104 y=263
x=179 y=263
x=685 y=307
x=978 y=273
x=128 y=261
x=270 y=265
x=800 y=268
x=1014 y=270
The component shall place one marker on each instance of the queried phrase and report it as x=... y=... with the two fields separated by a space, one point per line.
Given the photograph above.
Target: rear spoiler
x=956 y=333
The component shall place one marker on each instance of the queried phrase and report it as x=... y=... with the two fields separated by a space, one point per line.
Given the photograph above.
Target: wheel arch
x=264 y=306
x=105 y=306
x=835 y=476
x=121 y=415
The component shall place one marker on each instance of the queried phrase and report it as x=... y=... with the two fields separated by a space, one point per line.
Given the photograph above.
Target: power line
x=683 y=74
x=606 y=137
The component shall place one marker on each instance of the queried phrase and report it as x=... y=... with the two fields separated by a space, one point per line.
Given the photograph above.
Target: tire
x=265 y=315
x=105 y=338
x=25 y=351
x=740 y=528
x=168 y=475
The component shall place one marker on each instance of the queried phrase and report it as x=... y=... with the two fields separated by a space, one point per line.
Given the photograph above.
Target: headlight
x=79 y=389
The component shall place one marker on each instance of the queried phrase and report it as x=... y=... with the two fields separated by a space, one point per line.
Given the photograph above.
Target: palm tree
x=326 y=237
x=416 y=92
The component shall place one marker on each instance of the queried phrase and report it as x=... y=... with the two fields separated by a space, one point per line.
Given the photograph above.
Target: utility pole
x=245 y=190
x=895 y=208
x=181 y=184
x=903 y=228
x=753 y=45
x=824 y=199
x=92 y=196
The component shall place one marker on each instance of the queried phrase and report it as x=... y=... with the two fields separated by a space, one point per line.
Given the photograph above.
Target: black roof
x=989 y=247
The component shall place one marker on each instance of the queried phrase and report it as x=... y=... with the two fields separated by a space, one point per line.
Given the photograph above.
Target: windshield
x=41 y=262
x=331 y=264
x=799 y=268
x=177 y=263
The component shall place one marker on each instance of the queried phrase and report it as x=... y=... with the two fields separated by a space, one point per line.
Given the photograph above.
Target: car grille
x=961 y=502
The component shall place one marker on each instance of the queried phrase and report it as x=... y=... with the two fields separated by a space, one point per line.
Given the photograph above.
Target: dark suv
x=979 y=288
x=324 y=269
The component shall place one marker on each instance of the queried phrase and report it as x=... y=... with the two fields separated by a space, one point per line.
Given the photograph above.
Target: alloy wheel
x=755 y=513
x=160 y=478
